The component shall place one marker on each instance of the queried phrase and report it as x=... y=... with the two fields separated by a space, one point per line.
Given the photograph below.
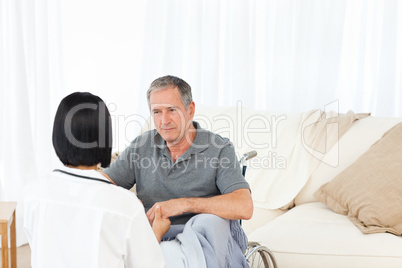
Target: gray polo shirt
x=208 y=168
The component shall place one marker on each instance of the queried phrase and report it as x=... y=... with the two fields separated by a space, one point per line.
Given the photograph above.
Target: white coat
x=74 y=222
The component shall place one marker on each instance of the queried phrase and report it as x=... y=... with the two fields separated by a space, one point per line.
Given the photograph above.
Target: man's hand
x=160 y=224
x=232 y=206
x=173 y=207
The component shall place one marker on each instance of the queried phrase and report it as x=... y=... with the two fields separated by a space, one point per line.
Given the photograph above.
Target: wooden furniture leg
x=13 y=239
x=4 y=245
x=7 y=221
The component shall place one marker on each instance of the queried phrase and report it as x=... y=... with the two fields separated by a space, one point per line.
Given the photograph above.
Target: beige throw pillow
x=369 y=191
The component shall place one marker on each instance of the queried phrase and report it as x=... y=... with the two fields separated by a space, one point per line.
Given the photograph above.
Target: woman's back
x=76 y=222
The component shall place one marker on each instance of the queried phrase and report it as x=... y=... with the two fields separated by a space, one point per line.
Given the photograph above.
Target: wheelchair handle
x=248 y=156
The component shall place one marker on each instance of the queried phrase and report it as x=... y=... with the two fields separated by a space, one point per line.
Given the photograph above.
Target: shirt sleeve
x=121 y=171
x=229 y=177
x=142 y=247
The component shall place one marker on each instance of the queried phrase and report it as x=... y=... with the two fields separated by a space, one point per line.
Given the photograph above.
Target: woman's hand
x=160 y=225
x=169 y=208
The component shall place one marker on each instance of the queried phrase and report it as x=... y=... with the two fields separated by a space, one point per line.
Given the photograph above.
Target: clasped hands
x=169 y=208
x=158 y=215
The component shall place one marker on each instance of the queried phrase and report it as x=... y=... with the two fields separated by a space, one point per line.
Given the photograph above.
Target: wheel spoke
x=259 y=256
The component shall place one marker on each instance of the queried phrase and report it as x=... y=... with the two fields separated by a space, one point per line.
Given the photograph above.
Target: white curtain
x=278 y=55
x=102 y=53
x=30 y=79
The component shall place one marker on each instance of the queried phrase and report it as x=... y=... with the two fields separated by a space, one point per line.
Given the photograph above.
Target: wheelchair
x=257 y=256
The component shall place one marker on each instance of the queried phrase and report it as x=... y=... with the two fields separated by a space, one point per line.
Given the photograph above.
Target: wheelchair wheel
x=259 y=256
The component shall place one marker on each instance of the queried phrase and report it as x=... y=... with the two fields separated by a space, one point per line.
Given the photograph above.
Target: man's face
x=171 y=118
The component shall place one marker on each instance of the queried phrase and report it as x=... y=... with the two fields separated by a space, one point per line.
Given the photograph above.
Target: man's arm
x=233 y=206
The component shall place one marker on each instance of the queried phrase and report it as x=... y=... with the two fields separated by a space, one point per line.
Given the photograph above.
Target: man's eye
x=172 y=110
x=156 y=112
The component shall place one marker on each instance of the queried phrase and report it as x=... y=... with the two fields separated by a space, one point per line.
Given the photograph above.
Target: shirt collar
x=200 y=143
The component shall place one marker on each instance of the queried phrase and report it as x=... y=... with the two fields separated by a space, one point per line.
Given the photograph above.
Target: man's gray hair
x=170 y=81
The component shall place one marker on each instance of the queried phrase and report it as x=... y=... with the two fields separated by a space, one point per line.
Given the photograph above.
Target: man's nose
x=165 y=118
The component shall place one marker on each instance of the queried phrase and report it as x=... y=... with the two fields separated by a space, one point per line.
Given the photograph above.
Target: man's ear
x=191 y=109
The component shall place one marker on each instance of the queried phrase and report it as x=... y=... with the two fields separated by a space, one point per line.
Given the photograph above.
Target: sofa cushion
x=312 y=235
x=370 y=190
x=260 y=217
x=362 y=134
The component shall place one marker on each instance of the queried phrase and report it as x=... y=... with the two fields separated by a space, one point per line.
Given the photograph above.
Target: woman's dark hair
x=82 y=131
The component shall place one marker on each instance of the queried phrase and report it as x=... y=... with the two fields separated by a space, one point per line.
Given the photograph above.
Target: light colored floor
x=23 y=257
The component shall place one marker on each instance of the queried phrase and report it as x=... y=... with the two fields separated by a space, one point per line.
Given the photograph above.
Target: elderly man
x=181 y=167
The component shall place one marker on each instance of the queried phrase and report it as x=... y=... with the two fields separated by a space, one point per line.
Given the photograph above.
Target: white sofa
x=309 y=234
